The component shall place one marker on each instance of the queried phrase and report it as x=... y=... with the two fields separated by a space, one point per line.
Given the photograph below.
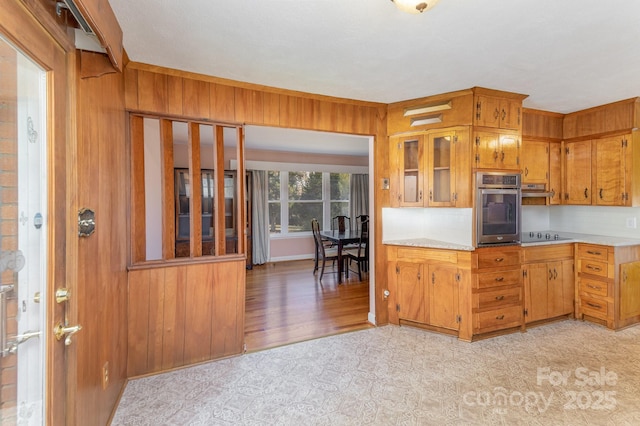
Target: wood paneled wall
x=614 y=117
x=101 y=294
x=173 y=93
x=184 y=314
x=541 y=124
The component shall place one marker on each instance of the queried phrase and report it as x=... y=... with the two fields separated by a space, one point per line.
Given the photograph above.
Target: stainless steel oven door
x=498 y=216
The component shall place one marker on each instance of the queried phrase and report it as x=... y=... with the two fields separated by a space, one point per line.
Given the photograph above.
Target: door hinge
x=567 y=150
x=518 y=160
x=524 y=273
x=397 y=307
x=458 y=277
x=624 y=143
x=477 y=158
x=478 y=110
x=455 y=138
x=433 y=278
x=459 y=319
x=526 y=312
x=397 y=269
x=477 y=140
x=399 y=146
x=455 y=196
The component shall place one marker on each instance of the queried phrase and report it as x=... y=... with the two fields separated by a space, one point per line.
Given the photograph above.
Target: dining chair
x=323 y=253
x=340 y=223
x=359 y=254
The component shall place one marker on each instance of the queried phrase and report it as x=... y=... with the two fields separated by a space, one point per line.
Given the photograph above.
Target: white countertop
x=573 y=238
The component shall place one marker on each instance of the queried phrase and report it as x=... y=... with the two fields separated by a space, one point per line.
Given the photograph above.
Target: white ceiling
x=566 y=55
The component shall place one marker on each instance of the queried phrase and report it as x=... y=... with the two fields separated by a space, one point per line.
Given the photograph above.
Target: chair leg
x=322 y=270
x=315 y=261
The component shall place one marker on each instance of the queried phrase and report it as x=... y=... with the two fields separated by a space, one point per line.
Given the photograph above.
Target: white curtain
x=358 y=195
x=260 y=217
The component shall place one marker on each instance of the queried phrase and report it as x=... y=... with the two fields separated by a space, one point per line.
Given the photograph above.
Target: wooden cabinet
x=600 y=171
x=535 y=161
x=608 y=288
x=549 y=286
x=497 y=302
x=432 y=169
x=497 y=150
x=497 y=112
x=578 y=172
x=424 y=287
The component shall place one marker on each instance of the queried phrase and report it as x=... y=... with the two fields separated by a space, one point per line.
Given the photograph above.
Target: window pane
x=340 y=208
x=340 y=186
x=274 y=186
x=305 y=186
x=275 y=223
x=300 y=215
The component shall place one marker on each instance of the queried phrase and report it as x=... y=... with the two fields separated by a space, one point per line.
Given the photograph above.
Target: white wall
x=596 y=220
x=443 y=224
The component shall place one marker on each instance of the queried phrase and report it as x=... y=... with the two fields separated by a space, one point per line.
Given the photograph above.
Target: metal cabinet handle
x=594 y=287
x=586 y=193
x=593 y=305
x=500 y=279
x=555 y=274
x=595 y=253
x=594 y=268
x=504 y=114
x=601 y=193
x=496 y=114
x=499 y=259
x=500 y=317
x=501 y=297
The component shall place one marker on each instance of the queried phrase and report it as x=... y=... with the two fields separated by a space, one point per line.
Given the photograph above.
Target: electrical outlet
x=105 y=375
x=631 y=222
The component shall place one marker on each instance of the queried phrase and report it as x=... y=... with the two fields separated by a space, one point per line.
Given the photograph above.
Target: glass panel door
x=23 y=183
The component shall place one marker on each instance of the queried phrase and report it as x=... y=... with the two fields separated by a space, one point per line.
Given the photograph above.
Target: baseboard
x=371 y=317
x=296 y=257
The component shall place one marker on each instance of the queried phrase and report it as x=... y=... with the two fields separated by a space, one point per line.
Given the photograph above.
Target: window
x=297 y=197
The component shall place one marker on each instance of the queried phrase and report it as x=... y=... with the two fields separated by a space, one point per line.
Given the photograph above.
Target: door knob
x=62 y=295
x=60 y=331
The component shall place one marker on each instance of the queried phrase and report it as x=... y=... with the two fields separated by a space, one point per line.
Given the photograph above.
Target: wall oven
x=498 y=208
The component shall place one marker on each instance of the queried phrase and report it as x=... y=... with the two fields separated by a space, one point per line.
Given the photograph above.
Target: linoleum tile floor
x=565 y=373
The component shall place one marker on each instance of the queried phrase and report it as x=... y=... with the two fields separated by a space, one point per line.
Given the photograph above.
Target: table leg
x=339 y=262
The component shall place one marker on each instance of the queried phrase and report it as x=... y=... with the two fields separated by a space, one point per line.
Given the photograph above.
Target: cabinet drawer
x=499 y=319
x=497 y=258
x=500 y=278
x=594 y=307
x=497 y=298
x=593 y=267
x=598 y=288
x=588 y=251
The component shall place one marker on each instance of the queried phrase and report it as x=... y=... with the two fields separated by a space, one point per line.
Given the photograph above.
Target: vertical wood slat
x=155 y=318
x=195 y=201
x=195 y=98
x=218 y=192
x=240 y=192
x=271 y=109
x=174 y=318
x=174 y=95
x=222 y=102
x=131 y=89
x=199 y=300
x=152 y=91
x=168 y=191
x=138 y=319
x=229 y=302
x=138 y=227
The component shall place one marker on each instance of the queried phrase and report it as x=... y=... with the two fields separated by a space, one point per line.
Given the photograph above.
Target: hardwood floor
x=286 y=303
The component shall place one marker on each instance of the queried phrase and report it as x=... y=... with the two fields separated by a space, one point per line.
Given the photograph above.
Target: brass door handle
x=60 y=331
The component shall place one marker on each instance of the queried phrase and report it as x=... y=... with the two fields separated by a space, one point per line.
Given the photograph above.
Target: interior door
x=34 y=224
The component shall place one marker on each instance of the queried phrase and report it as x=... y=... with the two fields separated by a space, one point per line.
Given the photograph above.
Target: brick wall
x=8 y=218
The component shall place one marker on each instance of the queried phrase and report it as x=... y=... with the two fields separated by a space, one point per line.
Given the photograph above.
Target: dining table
x=341 y=239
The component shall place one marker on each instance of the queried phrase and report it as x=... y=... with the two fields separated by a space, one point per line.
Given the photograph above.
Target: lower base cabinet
x=608 y=286
x=549 y=284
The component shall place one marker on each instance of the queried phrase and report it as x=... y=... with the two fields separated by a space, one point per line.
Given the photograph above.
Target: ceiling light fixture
x=414 y=6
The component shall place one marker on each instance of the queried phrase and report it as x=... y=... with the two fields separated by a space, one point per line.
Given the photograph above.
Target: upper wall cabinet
x=431 y=169
x=615 y=117
x=496 y=109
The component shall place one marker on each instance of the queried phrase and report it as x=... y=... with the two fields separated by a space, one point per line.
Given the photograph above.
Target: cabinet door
x=578 y=173
x=555 y=172
x=411 y=292
x=509 y=155
x=560 y=290
x=609 y=171
x=487 y=111
x=629 y=290
x=441 y=169
x=443 y=296
x=510 y=114
x=464 y=188
x=410 y=171
x=535 y=161
x=535 y=289
x=487 y=146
